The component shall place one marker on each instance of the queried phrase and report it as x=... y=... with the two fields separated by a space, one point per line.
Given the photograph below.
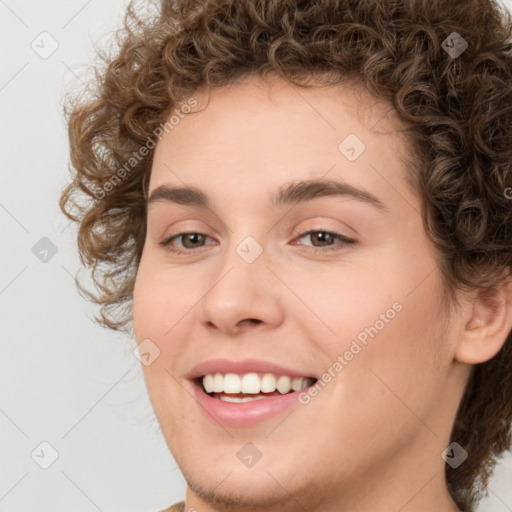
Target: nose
x=242 y=296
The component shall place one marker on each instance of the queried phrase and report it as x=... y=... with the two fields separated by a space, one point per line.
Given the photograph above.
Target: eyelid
x=345 y=241
x=320 y=228
x=167 y=240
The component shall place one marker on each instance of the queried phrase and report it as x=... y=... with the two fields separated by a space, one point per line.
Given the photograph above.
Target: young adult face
x=254 y=293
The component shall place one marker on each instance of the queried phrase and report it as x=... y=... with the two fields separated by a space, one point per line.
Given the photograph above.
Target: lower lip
x=243 y=414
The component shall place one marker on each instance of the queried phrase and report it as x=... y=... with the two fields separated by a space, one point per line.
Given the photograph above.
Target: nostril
x=245 y=321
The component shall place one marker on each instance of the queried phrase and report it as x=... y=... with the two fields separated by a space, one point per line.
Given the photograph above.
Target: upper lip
x=241 y=367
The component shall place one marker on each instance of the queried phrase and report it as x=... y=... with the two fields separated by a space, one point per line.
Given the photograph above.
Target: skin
x=372 y=438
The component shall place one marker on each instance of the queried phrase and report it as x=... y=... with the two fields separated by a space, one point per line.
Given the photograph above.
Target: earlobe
x=488 y=326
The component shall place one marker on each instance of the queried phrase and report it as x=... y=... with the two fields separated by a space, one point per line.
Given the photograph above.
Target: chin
x=243 y=489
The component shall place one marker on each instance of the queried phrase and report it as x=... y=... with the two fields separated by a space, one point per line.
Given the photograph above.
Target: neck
x=406 y=488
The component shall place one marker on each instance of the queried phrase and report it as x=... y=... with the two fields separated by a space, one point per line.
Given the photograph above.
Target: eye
x=190 y=242
x=326 y=238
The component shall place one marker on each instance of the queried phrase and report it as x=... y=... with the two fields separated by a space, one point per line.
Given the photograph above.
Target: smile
x=245 y=393
x=234 y=388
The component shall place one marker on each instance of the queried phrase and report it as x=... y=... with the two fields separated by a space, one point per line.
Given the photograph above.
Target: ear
x=487 y=326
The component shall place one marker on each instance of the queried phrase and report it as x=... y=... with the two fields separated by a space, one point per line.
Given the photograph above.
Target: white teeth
x=208 y=383
x=268 y=383
x=284 y=384
x=251 y=383
x=218 y=382
x=238 y=400
x=297 y=384
x=232 y=383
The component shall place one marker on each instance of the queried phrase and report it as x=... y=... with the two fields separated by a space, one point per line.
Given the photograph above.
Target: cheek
x=161 y=298
x=155 y=312
x=402 y=366
x=163 y=309
x=338 y=303
x=389 y=336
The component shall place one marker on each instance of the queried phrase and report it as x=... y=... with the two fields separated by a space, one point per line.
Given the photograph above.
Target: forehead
x=316 y=99
x=255 y=132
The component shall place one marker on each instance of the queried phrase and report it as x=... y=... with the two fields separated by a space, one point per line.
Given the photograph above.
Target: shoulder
x=177 y=507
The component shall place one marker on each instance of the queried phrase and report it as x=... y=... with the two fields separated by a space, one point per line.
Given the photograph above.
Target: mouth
x=248 y=387
x=235 y=388
x=245 y=400
x=247 y=392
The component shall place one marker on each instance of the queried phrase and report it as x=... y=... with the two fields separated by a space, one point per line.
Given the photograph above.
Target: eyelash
x=345 y=240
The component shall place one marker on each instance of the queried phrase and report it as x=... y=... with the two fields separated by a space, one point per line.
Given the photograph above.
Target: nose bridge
x=244 y=253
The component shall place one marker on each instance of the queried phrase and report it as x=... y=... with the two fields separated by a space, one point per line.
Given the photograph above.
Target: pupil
x=323 y=235
x=191 y=236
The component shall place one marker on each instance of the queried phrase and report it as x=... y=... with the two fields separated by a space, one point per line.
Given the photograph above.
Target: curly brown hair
x=457 y=108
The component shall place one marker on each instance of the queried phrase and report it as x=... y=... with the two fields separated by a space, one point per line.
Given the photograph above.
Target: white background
x=65 y=380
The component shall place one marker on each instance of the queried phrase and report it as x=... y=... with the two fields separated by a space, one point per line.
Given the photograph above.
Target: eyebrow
x=288 y=194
